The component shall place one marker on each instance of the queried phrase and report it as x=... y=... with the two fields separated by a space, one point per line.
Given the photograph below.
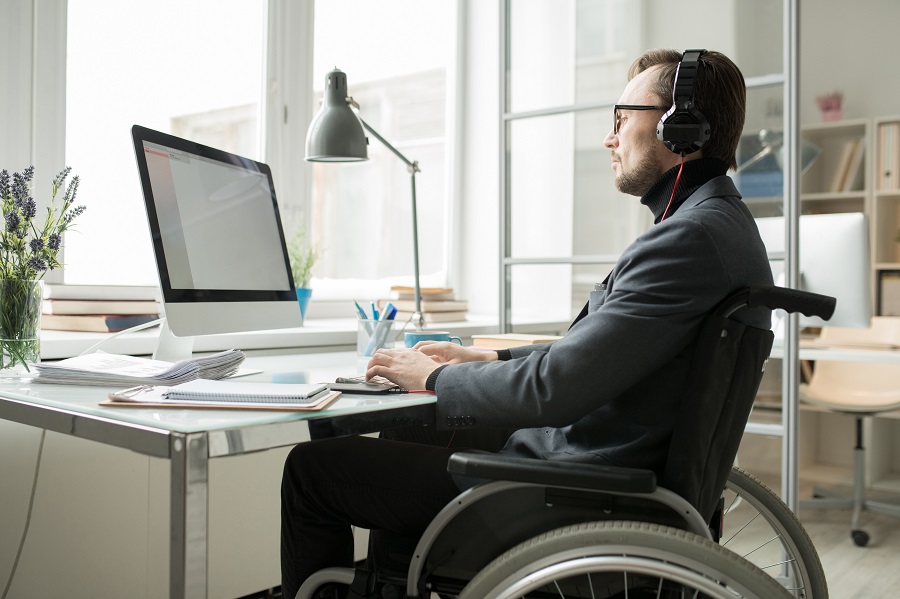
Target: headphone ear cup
x=683 y=129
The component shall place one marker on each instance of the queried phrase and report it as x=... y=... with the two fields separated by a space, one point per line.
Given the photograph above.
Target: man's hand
x=445 y=352
x=410 y=368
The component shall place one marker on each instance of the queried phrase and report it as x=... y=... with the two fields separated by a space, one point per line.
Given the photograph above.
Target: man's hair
x=719 y=93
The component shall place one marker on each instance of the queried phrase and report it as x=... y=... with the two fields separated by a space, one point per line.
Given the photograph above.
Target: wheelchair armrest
x=551 y=472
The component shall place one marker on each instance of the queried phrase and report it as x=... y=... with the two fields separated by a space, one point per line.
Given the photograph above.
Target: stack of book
x=97 y=308
x=509 y=340
x=848 y=173
x=439 y=304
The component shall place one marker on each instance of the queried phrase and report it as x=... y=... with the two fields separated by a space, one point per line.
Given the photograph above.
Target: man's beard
x=639 y=178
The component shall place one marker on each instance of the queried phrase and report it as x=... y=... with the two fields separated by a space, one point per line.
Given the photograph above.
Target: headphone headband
x=683 y=128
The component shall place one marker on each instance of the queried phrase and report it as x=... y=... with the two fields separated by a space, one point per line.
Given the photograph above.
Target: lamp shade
x=335 y=134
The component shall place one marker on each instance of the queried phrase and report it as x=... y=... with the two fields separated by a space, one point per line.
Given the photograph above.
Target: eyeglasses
x=617 y=118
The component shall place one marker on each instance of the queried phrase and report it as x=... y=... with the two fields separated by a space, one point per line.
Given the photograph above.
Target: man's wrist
x=503 y=355
x=431 y=381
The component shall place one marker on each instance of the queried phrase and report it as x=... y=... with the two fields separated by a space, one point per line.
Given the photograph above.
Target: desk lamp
x=336 y=135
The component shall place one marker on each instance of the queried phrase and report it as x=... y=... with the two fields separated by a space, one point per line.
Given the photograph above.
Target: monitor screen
x=834 y=260
x=217 y=237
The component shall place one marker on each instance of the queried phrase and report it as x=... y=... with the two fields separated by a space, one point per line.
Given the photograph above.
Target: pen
x=374 y=311
x=362 y=316
x=389 y=311
x=359 y=311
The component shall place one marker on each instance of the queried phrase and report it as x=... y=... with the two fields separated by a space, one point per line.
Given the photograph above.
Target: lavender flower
x=71 y=214
x=29 y=208
x=12 y=221
x=71 y=190
x=29 y=248
x=59 y=179
x=36 y=263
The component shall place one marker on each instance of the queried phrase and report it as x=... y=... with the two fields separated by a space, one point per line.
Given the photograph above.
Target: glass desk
x=190 y=438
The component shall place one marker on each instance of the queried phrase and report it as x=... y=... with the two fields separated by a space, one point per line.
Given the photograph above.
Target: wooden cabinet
x=885 y=182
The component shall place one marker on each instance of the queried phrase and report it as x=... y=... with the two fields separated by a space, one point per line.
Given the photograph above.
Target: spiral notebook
x=203 y=393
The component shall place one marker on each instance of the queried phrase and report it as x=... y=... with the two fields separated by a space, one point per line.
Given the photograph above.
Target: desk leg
x=188 y=516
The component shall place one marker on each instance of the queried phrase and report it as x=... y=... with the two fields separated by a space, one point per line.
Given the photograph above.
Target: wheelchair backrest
x=725 y=373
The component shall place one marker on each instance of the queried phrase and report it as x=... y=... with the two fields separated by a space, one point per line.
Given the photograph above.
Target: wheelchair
x=539 y=528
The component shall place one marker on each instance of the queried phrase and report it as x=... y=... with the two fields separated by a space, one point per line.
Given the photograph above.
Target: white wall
x=853 y=47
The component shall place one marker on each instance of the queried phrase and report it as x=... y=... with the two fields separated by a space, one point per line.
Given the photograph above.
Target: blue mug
x=413 y=337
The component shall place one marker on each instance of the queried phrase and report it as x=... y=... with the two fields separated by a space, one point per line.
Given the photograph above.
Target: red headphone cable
x=674 y=187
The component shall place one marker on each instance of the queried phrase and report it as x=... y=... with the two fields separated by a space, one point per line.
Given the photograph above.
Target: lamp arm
x=413 y=168
x=411 y=164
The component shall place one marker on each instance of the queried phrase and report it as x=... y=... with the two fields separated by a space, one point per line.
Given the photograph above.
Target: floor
x=851 y=571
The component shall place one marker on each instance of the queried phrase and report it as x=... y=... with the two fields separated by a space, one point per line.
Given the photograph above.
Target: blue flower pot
x=303 y=294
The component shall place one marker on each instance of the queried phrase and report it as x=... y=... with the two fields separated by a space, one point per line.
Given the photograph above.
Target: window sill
x=317 y=334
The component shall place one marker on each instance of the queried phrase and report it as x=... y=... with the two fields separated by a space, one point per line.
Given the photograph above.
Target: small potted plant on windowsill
x=303 y=256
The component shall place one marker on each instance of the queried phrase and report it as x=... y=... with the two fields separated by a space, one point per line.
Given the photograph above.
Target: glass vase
x=20 y=327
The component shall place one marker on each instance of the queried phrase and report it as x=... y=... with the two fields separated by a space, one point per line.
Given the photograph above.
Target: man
x=604 y=393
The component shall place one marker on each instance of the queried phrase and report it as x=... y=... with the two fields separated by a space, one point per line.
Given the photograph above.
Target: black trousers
x=396 y=483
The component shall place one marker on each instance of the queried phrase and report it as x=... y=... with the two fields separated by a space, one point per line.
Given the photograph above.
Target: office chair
x=584 y=530
x=861 y=390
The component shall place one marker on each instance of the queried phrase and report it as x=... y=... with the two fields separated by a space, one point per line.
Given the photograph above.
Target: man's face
x=638 y=158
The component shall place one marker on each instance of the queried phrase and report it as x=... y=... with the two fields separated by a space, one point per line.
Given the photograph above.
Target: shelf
x=843 y=128
x=833 y=196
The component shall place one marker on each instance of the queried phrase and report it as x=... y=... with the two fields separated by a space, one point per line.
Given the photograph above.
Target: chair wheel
x=860 y=537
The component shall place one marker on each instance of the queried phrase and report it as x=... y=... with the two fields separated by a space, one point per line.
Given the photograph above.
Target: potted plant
x=830 y=106
x=28 y=249
x=303 y=256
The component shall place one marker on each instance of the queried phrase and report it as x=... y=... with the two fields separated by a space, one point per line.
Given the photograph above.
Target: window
x=193 y=69
x=197 y=70
x=397 y=55
x=567 y=66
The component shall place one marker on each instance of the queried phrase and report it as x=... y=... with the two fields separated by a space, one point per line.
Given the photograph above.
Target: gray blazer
x=607 y=391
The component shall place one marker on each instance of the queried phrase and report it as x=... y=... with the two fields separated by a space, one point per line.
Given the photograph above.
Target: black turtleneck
x=695 y=173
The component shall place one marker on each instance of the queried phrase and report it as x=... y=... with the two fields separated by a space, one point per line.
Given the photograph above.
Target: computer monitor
x=217 y=236
x=834 y=260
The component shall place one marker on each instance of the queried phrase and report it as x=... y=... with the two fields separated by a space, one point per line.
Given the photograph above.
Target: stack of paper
x=113 y=369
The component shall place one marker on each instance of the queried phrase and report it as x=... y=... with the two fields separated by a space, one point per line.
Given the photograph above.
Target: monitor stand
x=170 y=348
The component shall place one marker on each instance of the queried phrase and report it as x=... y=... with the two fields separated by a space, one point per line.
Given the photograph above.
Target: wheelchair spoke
x=758 y=547
x=741 y=529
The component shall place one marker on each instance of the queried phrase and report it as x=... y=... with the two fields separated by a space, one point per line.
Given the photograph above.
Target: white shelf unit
x=825 y=448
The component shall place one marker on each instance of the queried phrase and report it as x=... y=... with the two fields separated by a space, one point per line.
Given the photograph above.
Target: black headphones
x=684 y=128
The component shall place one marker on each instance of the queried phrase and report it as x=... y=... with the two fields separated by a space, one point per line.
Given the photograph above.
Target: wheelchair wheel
x=760 y=528
x=619 y=559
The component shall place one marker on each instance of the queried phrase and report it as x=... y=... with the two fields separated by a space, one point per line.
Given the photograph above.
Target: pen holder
x=375 y=334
